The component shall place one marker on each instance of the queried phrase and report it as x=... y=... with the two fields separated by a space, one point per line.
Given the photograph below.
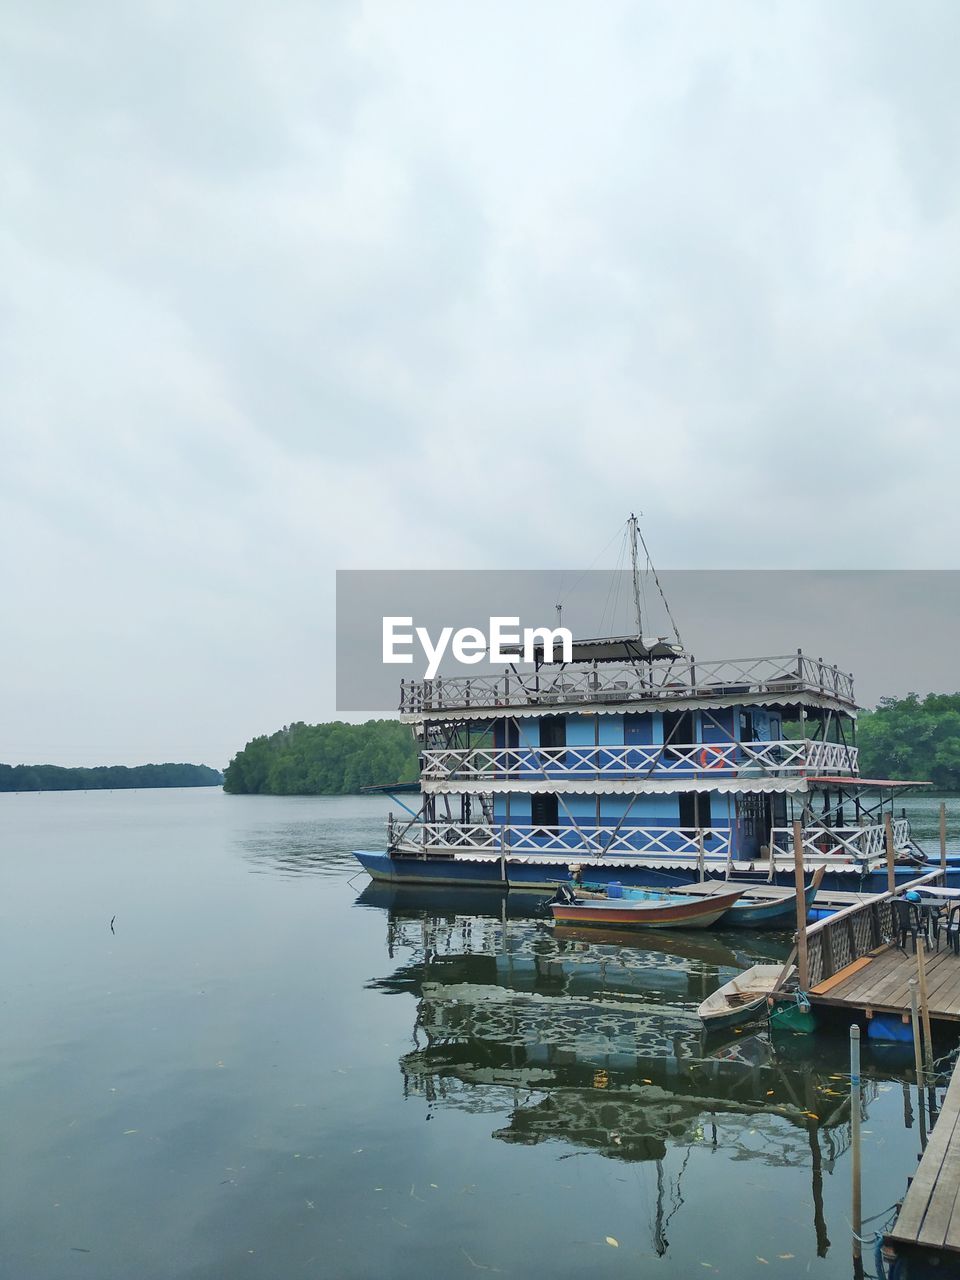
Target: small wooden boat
x=742 y=998
x=757 y=909
x=761 y=906
x=644 y=910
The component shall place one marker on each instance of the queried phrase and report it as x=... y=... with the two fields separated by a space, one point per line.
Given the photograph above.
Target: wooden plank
x=881 y=973
x=823 y=987
x=929 y=1217
x=936 y=1221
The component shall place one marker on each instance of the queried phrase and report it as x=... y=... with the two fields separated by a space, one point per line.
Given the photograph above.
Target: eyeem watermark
x=470 y=645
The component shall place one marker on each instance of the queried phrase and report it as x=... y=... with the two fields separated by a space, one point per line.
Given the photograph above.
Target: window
x=695 y=810
x=747 y=731
x=543 y=811
x=679 y=729
x=553 y=731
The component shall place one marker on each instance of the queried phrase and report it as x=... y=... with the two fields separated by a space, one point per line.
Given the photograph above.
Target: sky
x=299 y=287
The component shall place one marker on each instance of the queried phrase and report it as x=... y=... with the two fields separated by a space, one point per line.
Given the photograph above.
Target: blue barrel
x=614 y=889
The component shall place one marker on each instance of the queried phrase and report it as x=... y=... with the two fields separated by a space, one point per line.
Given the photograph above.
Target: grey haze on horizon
x=295 y=288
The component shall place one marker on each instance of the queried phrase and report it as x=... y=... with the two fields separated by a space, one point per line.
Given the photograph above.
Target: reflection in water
x=595 y=1044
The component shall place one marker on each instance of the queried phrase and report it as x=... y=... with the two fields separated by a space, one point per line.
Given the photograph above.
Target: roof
x=611 y=649
x=805 y=698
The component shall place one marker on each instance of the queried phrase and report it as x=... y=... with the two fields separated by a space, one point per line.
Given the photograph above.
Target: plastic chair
x=906 y=921
x=953 y=929
x=933 y=921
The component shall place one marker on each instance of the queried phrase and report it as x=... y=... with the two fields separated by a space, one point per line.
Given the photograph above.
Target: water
x=270 y=1069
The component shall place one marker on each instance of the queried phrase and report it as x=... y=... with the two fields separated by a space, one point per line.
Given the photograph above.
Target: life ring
x=712 y=758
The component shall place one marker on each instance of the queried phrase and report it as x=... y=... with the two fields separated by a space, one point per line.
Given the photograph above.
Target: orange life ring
x=712 y=758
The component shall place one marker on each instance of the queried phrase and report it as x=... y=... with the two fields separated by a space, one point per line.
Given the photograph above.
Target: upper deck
x=782 y=679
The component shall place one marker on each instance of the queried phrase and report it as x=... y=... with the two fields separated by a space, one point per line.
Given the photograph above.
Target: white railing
x=736 y=759
x=854 y=842
x=629 y=682
x=586 y=841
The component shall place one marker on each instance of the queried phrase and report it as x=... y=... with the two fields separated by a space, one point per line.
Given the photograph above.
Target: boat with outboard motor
x=641 y=909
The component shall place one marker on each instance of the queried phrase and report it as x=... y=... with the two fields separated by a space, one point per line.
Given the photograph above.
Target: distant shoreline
x=24 y=778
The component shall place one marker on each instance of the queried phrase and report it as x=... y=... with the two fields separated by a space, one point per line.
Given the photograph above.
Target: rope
x=663 y=596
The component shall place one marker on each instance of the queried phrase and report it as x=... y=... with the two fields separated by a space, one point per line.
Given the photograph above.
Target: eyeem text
x=470 y=645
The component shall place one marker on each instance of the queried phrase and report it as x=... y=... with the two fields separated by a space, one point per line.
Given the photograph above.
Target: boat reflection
x=593 y=1041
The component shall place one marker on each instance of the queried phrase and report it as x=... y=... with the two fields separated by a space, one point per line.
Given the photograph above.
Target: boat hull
x=532 y=875
x=440 y=871
x=737 y=1017
x=625 y=913
x=769 y=915
x=742 y=999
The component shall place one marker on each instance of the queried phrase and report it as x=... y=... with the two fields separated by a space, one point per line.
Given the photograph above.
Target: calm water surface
x=272 y=1069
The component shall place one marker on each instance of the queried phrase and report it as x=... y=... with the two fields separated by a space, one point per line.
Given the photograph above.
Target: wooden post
x=700 y=854
x=925 y=1007
x=918 y=1060
x=943 y=840
x=802 y=969
x=891 y=873
x=855 y=1137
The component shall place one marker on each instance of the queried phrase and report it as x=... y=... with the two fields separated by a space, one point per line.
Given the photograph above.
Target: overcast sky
x=289 y=287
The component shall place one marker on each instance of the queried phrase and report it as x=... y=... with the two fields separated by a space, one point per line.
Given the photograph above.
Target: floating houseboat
x=637 y=762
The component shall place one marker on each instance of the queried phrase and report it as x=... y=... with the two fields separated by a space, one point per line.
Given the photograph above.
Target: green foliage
x=51 y=777
x=913 y=738
x=324 y=759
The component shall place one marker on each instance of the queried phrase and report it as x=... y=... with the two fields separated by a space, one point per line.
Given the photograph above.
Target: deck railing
x=585 y=841
x=729 y=759
x=840 y=939
x=858 y=843
x=630 y=682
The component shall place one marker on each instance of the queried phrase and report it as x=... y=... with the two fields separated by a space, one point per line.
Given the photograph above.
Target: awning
x=833 y=781
x=571 y=785
x=623 y=706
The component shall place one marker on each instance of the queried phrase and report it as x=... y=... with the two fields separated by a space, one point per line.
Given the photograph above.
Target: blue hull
x=768 y=915
x=384 y=868
x=544 y=877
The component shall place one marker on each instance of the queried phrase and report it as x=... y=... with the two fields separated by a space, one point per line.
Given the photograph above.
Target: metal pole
x=802 y=967
x=943 y=840
x=636 y=573
x=855 y=1136
x=700 y=854
x=918 y=1060
x=891 y=874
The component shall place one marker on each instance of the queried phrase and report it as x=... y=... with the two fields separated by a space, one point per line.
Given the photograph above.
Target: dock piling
x=943 y=840
x=855 y=1214
x=918 y=1060
x=803 y=969
x=891 y=852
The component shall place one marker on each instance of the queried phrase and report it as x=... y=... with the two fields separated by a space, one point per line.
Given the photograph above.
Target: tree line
x=913 y=737
x=324 y=759
x=52 y=777
x=901 y=738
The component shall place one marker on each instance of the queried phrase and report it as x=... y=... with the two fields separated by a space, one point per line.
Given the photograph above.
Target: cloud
x=308 y=287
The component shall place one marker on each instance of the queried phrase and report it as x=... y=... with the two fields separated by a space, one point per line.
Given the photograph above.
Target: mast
x=632 y=524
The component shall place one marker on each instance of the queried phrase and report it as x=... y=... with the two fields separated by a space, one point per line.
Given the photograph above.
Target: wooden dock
x=928 y=1225
x=878 y=983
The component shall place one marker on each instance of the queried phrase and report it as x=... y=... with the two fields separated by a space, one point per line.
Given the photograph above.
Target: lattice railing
x=586 y=841
x=854 y=842
x=629 y=682
x=840 y=939
x=787 y=756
